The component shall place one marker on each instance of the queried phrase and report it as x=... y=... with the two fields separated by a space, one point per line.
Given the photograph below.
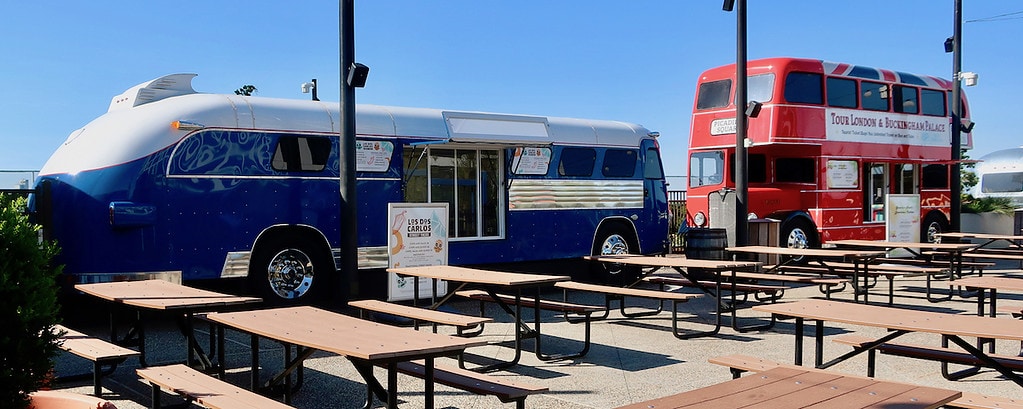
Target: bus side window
x=841 y=92
x=619 y=163
x=756 y=168
x=875 y=96
x=804 y=88
x=932 y=102
x=904 y=99
x=301 y=154
x=652 y=167
x=577 y=162
x=935 y=176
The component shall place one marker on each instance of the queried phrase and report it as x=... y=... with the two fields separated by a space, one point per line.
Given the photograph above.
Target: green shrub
x=1002 y=205
x=28 y=305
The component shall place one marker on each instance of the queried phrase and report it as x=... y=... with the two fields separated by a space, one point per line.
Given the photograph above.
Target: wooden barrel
x=706 y=244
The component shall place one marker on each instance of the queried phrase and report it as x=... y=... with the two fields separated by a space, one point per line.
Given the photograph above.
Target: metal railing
x=677 y=210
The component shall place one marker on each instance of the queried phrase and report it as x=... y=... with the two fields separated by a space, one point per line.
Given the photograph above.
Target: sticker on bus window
x=531 y=161
x=373 y=156
x=843 y=174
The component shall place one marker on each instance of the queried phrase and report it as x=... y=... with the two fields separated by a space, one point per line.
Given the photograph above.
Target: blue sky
x=634 y=61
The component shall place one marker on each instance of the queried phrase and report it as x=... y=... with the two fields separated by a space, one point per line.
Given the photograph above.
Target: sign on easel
x=902 y=220
x=417 y=236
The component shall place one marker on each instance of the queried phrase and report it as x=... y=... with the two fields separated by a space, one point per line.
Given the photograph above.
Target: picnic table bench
x=932 y=353
x=474 y=382
x=202 y=389
x=460 y=321
x=877 y=269
x=619 y=294
x=582 y=312
x=100 y=352
x=738 y=364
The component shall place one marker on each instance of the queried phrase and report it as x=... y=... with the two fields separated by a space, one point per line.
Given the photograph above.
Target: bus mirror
x=967 y=127
x=753 y=109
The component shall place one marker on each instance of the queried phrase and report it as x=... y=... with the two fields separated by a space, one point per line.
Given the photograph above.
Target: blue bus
x=229 y=186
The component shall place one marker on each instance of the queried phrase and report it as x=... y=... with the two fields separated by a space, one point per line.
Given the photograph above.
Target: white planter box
x=990 y=223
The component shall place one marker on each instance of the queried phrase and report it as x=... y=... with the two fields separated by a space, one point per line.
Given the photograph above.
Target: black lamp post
x=741 y=175
x=957 y=61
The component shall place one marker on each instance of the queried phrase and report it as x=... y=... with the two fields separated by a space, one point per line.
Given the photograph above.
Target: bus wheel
x=284 y=271
x=933 y=225
x=798 y=234
x=611 y=242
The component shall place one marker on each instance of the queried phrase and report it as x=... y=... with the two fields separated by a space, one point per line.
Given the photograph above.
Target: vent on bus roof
x=151 y=91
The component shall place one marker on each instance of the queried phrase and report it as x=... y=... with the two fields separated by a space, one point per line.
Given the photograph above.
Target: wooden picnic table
x=783 y=387
x=954 y=251
x=990 y=284
x=899 y=321
x=861 y=260
x=683 y=265
x=364 y=343
x=1014 y=241
x=160 y=295
x=493 y=282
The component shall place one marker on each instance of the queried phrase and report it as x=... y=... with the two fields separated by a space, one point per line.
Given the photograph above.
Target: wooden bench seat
x=202 y=389
x=619 y=294
x=738 y=363
x=762 y=292
x=475 y=382
x=460 y=321
x=885 y=269
x=98 y=351
x=1014 y=310
x=574 y=313
x=947 y=355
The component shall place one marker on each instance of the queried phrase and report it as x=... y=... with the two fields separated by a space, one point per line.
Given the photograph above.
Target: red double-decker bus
x=830 y=144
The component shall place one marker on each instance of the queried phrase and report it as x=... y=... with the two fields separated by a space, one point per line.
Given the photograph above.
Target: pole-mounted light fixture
x=310 y=86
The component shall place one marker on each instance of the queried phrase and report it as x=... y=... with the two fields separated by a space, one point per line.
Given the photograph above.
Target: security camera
x=307 y=86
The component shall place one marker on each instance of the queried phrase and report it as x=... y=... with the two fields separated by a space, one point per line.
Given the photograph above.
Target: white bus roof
x=138 y=123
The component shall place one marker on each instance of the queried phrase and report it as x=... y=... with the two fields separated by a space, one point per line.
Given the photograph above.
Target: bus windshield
x=706 y=168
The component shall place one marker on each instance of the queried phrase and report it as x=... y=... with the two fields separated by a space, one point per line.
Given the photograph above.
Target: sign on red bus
x=831 y=142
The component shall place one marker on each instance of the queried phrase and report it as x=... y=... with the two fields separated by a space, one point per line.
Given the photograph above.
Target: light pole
x=353 y=75
x=741 y=175
x=957 y=61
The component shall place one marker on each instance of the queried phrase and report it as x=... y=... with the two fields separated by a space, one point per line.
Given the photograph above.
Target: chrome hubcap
x=290 y=274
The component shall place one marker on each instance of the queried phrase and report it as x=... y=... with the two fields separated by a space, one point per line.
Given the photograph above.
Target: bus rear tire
x=287 y=269
x=613 y=241
x=933 y=225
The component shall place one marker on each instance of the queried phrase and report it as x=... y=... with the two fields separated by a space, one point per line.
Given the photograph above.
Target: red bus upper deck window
x=904 y=99
x=842 y=92
x=932 y=102
x=875 y=96
x=804 y=88
x=713 y=94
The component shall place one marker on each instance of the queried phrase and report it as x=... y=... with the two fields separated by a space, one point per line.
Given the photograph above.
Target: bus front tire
x=613 y=242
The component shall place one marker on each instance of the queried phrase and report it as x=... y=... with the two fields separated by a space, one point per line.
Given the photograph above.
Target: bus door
x=655 y=189
x=906 y=179
x=876 y=191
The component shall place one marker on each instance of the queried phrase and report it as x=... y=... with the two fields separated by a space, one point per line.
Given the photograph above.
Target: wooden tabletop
x=683 y=262
x=161 y=295
x=882 y=244
x=983 y=236
x=800 y=388
x=477 y=276
x=811 y=252
x=898 y=318
x=997 y=283
x=343 y=335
